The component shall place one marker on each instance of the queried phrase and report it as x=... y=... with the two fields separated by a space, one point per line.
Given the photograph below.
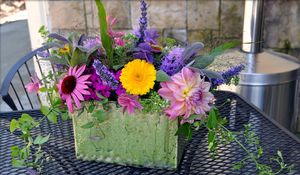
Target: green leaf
x=25 y=118
x=212 y=119
x=52 y=117
x=88 y=125
x=195 y=116
x=100 y=115
x=202 y=62
x=18 y=163
x=39 y=140
x=38 y=156
x=15 y=150
x=45 y=110
x=43 y=89
x=105 y=38
x=211 y=136
x=78 y=57
x=14 y=124
x=161 y=76
x=65 y=116
x=91 y=108
x=117 y=67
x=186 y=130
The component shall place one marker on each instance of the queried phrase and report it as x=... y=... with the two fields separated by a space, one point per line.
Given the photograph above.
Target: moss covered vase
x=146 y=140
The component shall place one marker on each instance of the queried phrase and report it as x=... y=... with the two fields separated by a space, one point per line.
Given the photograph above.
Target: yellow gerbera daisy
x=138 y=77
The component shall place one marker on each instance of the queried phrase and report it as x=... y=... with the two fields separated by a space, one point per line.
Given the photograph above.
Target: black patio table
x=196 y=158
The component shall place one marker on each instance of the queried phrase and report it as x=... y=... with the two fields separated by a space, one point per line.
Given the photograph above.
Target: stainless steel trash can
x=270 y=79
x=270 y=82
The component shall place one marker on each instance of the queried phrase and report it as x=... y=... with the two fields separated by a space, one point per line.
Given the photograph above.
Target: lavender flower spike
x=227 y=76
x=107 y=77
x=143 y=21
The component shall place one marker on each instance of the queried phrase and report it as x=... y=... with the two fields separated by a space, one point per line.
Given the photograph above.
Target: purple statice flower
x=107 y=77
x=90 y=43
x=151 y=35
x=173 y=62
x=227 y=76
x=142 y=21
x=145 y=51
x=43 y=54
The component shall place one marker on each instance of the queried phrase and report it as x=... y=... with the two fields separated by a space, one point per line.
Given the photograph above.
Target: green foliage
x=105 y=38
x=78 y=57
x=153 y=103
x=170 y=42
x=21 y=155
x=186 y=130
x=202 y=62
x=44 y=32
x=161 y=76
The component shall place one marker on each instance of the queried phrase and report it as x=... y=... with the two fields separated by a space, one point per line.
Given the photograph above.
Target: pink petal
x=74 y=71
x=80 y=71
x=76 y=100
x=83 y=78
x=69 y=103
x=70 y=70
x=78 y=94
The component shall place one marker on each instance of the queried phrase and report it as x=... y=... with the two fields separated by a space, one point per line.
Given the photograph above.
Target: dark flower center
x=68 y=84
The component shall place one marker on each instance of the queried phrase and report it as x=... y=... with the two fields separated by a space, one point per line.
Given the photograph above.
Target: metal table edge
x=265 y=115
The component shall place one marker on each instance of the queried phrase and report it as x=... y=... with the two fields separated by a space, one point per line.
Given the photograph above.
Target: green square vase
x=146 y=140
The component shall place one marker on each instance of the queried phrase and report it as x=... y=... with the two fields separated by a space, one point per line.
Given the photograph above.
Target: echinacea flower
x=73 y=86
x=188 y=94
x=138 y=77
x=34 y=86
x=129 y=102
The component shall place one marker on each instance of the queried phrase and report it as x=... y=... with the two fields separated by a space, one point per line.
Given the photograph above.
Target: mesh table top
x=196 y=158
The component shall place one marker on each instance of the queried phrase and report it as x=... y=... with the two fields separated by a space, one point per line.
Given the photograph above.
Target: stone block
x=203 y=14
x=161 y=14
x=67 y=14
x=281 y=23
x=232 y=13
x=178 y=34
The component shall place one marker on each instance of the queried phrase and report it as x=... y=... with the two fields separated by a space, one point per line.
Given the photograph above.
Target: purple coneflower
x=73 y=86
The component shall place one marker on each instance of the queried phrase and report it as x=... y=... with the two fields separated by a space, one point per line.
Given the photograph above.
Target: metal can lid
x=269 y=68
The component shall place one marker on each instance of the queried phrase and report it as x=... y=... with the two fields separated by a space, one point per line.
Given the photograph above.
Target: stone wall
x=209 y=21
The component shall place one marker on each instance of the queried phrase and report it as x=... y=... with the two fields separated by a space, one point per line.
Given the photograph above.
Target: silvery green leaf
x=58 y=37
x=191 y=50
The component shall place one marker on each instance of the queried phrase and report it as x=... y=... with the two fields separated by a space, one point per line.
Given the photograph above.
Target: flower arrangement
x=137 y=74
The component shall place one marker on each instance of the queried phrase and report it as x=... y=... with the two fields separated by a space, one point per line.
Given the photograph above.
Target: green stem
x=242 y=146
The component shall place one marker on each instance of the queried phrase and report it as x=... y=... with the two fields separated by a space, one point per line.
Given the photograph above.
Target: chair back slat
x=23 y=85
x=18 y=98
x=13 y=91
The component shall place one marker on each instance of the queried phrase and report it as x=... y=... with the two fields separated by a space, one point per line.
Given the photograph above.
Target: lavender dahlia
x=107 y=77
x=173 y=63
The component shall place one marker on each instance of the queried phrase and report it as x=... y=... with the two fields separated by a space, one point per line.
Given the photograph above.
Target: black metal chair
x=16 y=96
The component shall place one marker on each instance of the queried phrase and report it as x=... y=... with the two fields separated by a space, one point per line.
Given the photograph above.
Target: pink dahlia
x=129 y=102
x=188 y=94
x=74 y=86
